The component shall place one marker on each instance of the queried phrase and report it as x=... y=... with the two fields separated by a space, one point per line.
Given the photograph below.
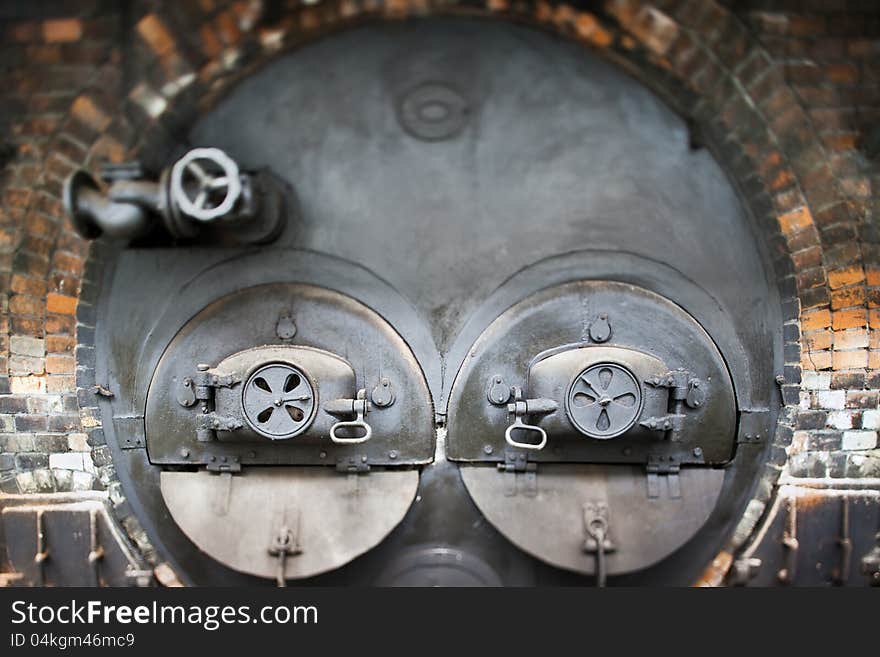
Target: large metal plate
x=550 y=525
x=233 y=518
x=559 y=318
x=403 y=433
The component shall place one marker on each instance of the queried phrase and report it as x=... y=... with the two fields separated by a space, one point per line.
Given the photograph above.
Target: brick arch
x=183 y=57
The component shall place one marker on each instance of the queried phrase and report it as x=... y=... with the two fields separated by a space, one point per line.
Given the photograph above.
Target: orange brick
x=814 y=340
x=843 y=277
x=874 y=360
x=851 y=339
x=874 y=340
x=62 y=30
x=60 y=303
x=853 y=318
x=874 y=319
x=848 y=297
x=153 y=31
x=818 y=360
x=796 y=220
x=60 y=364
x=873 y=276
x=842 y=360
x=815 y=319
x=88 y=113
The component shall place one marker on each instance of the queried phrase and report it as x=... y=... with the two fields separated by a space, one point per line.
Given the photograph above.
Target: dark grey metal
x=341 y=347
x=535 y=342
x=604 y=400
x=278 y=401
x=65 y=540
x=563 y=170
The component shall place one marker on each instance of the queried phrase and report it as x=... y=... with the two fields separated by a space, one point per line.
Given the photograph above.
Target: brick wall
x=785 y=93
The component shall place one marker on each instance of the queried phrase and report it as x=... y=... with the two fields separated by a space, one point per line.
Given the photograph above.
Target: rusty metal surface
x=65 y=539
x=812 y=537
x=333 y=518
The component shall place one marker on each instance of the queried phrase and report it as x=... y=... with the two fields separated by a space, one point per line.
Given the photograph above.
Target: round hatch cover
x=278 y=401
x=604 y=400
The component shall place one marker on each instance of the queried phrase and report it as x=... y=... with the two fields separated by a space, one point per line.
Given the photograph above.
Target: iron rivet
x=698 y=451
x=184 y=453
x=213 y=458
x=487 y=449
x=363 y=459
x=392 y=454
x=252 y=453
x=323 y=455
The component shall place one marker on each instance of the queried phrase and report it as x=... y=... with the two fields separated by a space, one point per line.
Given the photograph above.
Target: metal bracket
x=871 y=563
x=96 y=551
x=597 y=541
x=284 y=544
x=212 y=422
x=753 y=426
x=42 y=553
x=666 y=423
x=844 y=541
x=744 y=570
x=790 y=543
x=353 y=465
x=668 y=468
x=518 y=462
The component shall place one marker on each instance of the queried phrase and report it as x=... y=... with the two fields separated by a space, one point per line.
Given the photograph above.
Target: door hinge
x=518 y=463
x=668 y=468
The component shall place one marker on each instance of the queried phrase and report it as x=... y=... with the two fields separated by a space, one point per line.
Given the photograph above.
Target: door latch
x=597 y=541
x=358 y=407
x=284 y=544
x=519 y=409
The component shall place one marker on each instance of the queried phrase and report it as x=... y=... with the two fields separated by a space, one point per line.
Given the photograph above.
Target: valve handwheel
x=205 y=184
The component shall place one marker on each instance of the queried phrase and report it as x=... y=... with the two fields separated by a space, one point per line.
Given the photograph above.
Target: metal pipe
x=120 y=220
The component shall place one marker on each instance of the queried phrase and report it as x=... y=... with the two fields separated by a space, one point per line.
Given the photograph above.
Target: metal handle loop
x=519 y=424
x=359 y=423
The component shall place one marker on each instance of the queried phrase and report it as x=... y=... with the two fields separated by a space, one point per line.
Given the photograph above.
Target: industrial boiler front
x=441 y=302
